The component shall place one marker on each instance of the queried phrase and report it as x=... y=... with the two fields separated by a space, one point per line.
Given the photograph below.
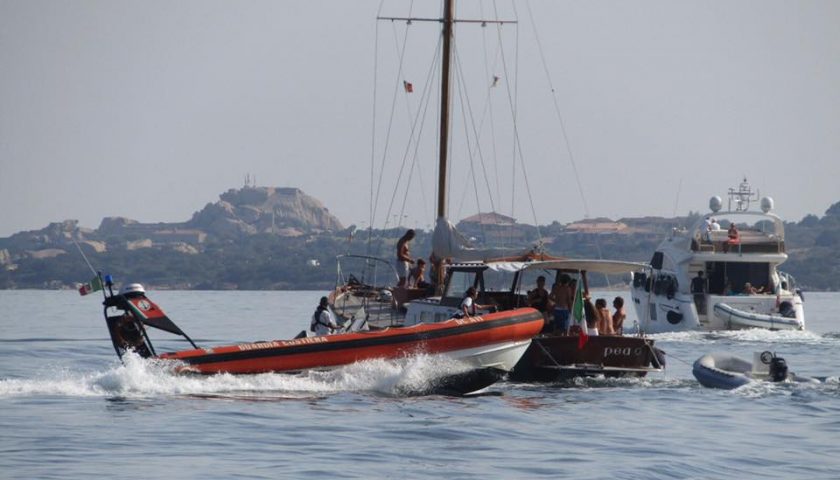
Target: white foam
x=754 y=335
x=138 y=377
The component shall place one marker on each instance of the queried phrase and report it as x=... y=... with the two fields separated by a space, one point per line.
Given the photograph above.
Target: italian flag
x=92 y=286
x=578 y=315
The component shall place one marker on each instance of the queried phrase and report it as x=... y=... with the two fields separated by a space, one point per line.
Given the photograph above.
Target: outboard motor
x=778 y=369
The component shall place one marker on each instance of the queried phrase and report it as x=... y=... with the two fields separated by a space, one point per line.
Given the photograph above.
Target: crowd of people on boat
x=733 y=236
x=699 y=287
x=557 y=305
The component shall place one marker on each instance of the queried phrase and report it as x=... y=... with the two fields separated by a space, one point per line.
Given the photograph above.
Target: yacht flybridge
x=716 y=277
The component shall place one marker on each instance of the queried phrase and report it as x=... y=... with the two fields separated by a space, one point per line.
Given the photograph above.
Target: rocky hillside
x=239 y=213
x=250 y=210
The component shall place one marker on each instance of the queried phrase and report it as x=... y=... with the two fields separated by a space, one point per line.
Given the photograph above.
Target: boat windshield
x=365 y=270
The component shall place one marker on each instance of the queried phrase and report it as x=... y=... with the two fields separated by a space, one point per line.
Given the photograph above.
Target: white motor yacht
x=711 y=278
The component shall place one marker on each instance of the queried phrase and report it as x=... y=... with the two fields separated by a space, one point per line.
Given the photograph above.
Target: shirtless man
x=538 y=297
x=562 y=295
x=417 y=275
x=404 y=260
x=605 y=326
x=619 y=316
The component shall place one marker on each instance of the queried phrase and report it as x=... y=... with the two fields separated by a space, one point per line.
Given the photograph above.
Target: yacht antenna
x=742 y=196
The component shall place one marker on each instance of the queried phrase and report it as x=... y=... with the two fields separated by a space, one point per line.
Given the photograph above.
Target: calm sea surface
x=70 y=409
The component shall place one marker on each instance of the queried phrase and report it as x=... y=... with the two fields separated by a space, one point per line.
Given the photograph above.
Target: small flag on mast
x=495 y=81
x=92 y=286
x=409 y=88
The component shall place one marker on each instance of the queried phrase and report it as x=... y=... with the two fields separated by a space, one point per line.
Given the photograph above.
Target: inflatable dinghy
x=722 y=370
x=736 y=318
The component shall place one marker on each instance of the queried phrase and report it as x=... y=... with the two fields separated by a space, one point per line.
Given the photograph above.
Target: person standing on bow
x=404 y=260
x=322 y=320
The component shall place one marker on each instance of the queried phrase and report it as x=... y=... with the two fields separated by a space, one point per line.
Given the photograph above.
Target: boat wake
x=753 y=335
x=144 y=378
x=827 y=386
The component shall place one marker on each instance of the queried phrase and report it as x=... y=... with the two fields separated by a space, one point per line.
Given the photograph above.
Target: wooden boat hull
x=553 y=358
x=495 y=340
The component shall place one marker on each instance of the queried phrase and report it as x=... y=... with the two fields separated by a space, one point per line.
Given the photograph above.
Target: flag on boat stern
x=92 y=286
x=580 y=318
x=150 y=314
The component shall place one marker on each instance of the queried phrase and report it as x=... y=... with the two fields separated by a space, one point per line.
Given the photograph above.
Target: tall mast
x=448 y=10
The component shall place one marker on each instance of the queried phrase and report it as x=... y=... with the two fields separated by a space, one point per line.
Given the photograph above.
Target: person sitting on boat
x=469 y=305
x=592 y=316
x=417 y=276
x=715 y=225
x=404 y=260
x=562 y=294
x=605 y=326
x=750 y=290
x=734 y=238
x=538 y=297
x=707 y=231
x=619 y=316
x=322 y=320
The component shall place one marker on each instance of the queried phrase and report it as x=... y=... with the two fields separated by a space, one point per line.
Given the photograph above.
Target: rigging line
x=373 y=128
x=426 y=88
x=517 y=142
x=557 y=110
x=677 y=201
x=562 y=126
x=84 y=257
x=460 y=81
x=411 y=139
x=515 y=117
x=489 y=104
x=466 y=101
x=425 y=101
x=391 y=119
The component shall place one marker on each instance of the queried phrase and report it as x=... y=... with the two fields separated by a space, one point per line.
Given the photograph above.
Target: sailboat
x=372 y=298
x=488 y=345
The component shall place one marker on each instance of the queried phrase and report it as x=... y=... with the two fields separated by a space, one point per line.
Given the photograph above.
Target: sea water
x=70 y=409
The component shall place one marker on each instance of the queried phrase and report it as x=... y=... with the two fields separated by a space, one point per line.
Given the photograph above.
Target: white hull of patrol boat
x=501 y=356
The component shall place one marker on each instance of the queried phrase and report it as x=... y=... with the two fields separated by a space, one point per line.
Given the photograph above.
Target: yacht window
x=657 y=260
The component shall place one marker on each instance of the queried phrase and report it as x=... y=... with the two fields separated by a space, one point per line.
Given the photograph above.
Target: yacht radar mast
x=742 y=196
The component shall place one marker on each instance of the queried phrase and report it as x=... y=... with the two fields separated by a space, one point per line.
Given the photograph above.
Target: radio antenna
x=85 y=257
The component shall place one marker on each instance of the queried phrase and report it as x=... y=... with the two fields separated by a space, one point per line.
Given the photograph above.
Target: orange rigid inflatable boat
x=488 y=345
x=493 y=340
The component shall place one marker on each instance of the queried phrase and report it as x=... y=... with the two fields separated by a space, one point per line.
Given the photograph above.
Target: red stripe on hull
x=342 y=349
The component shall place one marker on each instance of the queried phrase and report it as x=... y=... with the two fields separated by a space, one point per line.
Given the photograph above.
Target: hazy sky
x=151 y=109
